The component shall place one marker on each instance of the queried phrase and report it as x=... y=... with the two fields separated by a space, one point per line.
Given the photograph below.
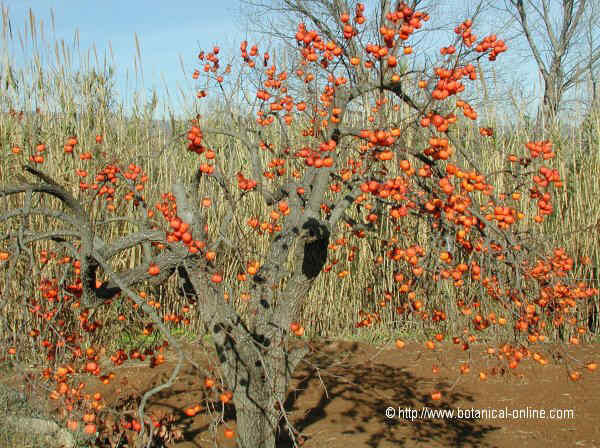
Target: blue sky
x=166 y=30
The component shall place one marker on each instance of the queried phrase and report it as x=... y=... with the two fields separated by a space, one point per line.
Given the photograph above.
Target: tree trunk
x=258 y=360
x=548 y=110
x=256 y=423
x=260 y=380
x=547 y=113
x=258 y=392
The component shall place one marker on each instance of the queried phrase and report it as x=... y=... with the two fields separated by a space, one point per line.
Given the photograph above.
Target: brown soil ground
x=341 y=393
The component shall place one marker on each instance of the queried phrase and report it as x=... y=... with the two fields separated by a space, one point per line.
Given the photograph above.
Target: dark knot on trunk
x=316 y=236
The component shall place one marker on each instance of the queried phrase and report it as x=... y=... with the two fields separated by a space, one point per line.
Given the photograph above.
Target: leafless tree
x=593 y=72
x=556 y=32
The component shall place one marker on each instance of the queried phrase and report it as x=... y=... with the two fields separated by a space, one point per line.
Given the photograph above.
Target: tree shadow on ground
x=351 y=398
x=341 y=394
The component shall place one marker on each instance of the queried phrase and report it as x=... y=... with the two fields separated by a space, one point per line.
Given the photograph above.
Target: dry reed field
x=364 y=353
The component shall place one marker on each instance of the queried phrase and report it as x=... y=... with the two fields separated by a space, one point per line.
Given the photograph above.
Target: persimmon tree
x=316 y=179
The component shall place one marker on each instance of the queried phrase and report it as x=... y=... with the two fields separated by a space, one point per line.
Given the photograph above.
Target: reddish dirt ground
x=340 y=395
